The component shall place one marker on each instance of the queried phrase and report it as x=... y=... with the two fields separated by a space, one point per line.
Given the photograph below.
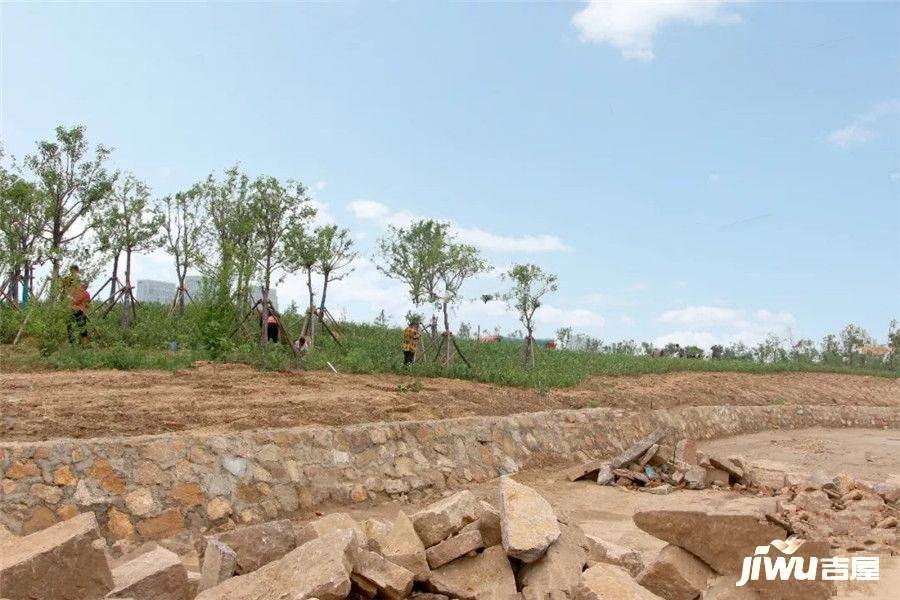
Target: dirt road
x=54 y=404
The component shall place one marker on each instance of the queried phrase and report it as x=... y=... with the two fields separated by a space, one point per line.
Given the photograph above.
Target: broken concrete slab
x=559 y=571
x=721 y=540
x=604 y=551
x=402 y=546
x=445 y=517
x=65 y=561
x=676 y=574
x=585 y=470
x=686 y=452
x=453 y=547
x=609 y=582
x=256 y=545
x=485 y=576
x=527 y=521
x=717 y=477
x=319 y=568
x=219 y=564
x=695 y=478
x=156 y=575
x=391 y=580
x=326 y=524
x=637 y=449
x=728 y=466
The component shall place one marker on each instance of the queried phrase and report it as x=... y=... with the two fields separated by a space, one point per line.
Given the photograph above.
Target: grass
x=364 y=349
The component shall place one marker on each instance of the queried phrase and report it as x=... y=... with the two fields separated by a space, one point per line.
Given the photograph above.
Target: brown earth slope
x=54 y=404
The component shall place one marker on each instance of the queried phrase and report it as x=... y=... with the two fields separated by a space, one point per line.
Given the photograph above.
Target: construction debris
x=459 y=548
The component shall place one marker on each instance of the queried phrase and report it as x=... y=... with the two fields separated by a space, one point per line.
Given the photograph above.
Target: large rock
x=486 y=576
x=527 y=521
x=328 y=523
x=219 y=564
x=402 y=546
x=723 y=588
x=256 y=545
x=319 y=569
x=445 y=517
x=721 y=540
x=391 y=580
x=453 y=547
x=609 y=582
x=559 y=571
x=65 y=561
x=489 y=524
x=156 y=575
x=676 y=574
x=603 y=551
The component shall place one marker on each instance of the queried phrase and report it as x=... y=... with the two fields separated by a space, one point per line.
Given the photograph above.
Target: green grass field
x=365 y=349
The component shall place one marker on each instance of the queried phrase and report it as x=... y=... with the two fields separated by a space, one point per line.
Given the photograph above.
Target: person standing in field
x=272 y=327
x=80 y=298
x=411 y=337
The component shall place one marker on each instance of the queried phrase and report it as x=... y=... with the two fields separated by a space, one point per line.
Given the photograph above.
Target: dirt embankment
x=48 y=405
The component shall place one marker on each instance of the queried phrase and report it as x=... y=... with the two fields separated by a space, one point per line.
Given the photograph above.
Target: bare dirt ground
x=53 y=404
x=865 y=453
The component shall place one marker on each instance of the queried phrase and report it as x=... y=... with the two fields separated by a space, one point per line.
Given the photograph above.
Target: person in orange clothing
x=411 y=337
x=80 y=298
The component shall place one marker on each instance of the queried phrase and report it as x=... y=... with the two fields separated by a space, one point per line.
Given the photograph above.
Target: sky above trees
x=699 y=173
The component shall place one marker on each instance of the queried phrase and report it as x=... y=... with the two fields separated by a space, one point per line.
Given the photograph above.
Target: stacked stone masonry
x=152 y=487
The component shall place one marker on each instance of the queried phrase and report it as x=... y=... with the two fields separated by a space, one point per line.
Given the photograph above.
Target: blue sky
x=693 y=172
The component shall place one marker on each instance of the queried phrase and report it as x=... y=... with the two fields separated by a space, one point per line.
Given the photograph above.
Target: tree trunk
x=114 y=276
x=311 y=323
x=324 y=291
x=529 y=350
x=181 y=291
x=127 y=296
x=448 y=357
x=13 y=289
x=264 y=312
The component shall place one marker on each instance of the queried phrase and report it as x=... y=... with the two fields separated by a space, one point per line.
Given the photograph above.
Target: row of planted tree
x=64 y=204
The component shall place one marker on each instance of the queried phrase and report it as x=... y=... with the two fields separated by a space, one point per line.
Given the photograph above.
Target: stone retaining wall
x=151 y=487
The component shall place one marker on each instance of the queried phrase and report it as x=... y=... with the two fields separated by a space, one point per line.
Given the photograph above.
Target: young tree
x=564 y=335
x=335 y=255
x=183 y=222
x=279 y=213
x=74 y=182
x=853 y=338
x=529 y=285
x=230 y=235
x=135 y=228
x=23 y=208
x=426 y=257
x=893 y=343
x=306 y=252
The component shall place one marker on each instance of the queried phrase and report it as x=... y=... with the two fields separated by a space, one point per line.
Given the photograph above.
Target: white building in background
x=151 y=290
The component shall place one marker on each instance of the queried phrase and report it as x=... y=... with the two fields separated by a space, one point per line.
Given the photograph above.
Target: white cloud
x=320 y=185
x=505 y=243
x=580 y=319
x=323 y=214
x=863 y=128
x=632 y=26
x=369 y=210
x=714 y=324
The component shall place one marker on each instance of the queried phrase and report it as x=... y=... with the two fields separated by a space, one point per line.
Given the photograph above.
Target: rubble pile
x=456 y=548
x=465 y=549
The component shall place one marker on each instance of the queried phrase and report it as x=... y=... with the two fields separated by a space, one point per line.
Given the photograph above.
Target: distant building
x=151 y=290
